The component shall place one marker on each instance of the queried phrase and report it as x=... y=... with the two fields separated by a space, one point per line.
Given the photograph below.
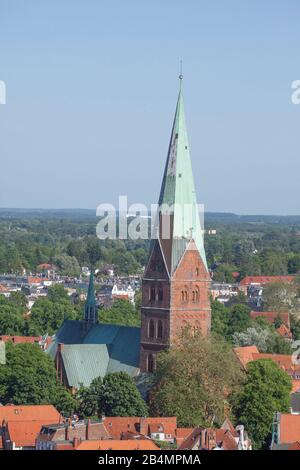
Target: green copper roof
x=178 y=190
x=103 y=348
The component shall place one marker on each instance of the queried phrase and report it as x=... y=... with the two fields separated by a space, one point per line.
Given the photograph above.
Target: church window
x=151 y=331
x=184 y=296
x=197 y=271
x=195 y=295
x=159 y=329
x=152 y=293
x=160 y=294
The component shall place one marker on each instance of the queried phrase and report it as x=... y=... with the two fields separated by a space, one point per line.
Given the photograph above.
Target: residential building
x=20 y=425
x=286 y=431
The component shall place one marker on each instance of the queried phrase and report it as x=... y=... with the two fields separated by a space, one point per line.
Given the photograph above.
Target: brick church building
x=175 y=286
x=176 y=282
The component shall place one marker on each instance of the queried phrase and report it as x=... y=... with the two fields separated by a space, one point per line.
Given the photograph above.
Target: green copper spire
x=178 y=190
x=90 y=308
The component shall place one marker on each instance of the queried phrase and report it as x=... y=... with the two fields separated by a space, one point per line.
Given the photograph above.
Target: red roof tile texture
x=261 y=280
x=116 y=444
x=46 y=413
x=270 y=317
x=289 y=428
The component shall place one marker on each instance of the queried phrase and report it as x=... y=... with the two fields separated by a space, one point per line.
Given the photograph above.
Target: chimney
x=76 y=442
x=241 y=443
x=143 y=426
x=88 y=430
x=67 y=429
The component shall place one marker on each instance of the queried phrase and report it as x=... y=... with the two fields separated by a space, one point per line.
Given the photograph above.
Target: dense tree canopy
x=266 y=391
x=29 y=378
x=122 y=312
x=194 y=379
x=116 y=395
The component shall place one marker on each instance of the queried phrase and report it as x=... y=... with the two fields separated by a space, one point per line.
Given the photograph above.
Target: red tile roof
x=289 y=428
x=45 y=413
x=19 y=339
x=295 y=386
x=112 y=444
x=117 y=425
x=225 y=439
x=24 y=433
x=34 y=280
x=284 y=331
x=270 y=317
x=284 y=361
x=245 y=354
x=261 y=280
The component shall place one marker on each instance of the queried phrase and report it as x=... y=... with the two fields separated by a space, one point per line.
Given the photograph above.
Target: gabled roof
x=84 y=362
x=102 y=349
x=245 y=354
x=45 y=413
x=284 y=331
x=24 y=433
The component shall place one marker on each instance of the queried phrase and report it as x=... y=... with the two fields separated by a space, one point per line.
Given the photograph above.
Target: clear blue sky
x=92 y=87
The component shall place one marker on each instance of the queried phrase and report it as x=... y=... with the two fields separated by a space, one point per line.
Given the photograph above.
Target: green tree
x=194 y=379
x=29 y=378
x=267 y=390
x=239 y=319
x=89 y=398
x=47 y=316
x=119 y=396
x=219 y=319
x=122 y=312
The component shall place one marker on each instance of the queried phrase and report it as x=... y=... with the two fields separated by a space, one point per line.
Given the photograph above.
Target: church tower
x=176 y=281
x=90 y=307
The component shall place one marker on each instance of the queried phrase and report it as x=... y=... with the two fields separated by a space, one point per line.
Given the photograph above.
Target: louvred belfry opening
x=176 y=282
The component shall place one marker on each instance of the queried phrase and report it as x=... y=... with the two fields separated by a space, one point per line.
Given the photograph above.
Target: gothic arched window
x=152 y=293
x=151 y=329
x=184 y=296
x=160 y=294
x=159 y=329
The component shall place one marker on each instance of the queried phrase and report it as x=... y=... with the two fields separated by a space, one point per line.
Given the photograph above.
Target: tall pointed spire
x=90 y=308
x=178 y=191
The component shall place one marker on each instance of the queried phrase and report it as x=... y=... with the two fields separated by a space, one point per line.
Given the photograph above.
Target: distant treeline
x=250 y=245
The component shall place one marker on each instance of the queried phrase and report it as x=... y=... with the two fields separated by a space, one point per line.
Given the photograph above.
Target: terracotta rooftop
x=24 y=433
x=261 y=280
x=20 y=339
x=289 y=428
x=284 y=331
x=117 y=425
x=112 y=444
x=245 y=354
x=270 y=317
x=45 y=413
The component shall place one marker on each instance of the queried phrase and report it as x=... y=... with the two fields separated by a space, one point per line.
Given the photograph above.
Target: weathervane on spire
x=180 y=74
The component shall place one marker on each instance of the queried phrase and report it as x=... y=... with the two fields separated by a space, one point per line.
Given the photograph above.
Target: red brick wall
x=174 y=311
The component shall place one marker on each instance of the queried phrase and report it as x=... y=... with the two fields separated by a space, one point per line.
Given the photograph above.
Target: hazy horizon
x=91 y=92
